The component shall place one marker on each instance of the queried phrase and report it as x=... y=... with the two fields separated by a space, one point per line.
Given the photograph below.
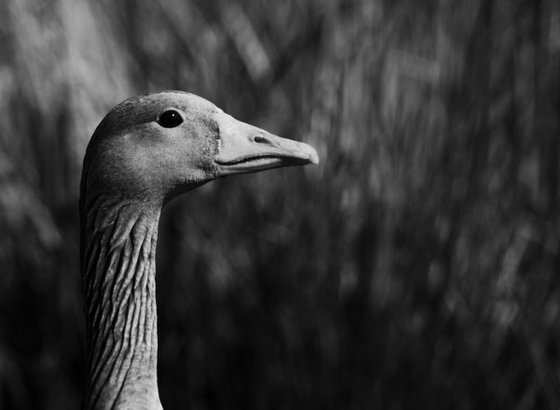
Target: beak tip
x=313 y=157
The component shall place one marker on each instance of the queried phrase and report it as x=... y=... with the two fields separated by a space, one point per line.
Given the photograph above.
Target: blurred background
x=417 y=267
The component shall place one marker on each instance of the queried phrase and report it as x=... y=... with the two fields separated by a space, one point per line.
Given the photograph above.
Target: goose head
x=157 y=146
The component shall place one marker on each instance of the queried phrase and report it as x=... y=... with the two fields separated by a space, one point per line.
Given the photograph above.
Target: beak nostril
x=260 y=140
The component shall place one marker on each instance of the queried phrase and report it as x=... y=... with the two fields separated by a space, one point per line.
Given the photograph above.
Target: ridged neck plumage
x=118 y=247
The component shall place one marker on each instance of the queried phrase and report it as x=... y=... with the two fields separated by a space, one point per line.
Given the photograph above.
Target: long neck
x=118 y=269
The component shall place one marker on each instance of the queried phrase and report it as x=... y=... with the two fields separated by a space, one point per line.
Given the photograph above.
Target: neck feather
x=118 y=269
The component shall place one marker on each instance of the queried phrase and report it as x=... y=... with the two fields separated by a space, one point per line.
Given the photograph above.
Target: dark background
x=417 y=267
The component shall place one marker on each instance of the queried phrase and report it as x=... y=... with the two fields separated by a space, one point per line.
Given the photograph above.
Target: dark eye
x=170 y=119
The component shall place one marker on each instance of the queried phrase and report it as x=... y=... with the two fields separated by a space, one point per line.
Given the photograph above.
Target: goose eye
x=170 y=119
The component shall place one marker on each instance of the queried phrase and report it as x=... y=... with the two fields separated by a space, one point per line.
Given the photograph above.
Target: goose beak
x=245 y=148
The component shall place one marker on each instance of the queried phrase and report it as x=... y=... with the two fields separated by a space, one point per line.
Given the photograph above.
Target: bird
x=146 y=151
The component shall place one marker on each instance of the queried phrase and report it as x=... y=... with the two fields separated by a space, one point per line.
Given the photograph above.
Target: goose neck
x=118 y=269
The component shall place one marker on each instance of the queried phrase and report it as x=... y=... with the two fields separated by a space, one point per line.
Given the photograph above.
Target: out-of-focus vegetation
x=416 y=267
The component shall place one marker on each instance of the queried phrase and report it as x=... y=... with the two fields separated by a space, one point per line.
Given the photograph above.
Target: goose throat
x=118 y=265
